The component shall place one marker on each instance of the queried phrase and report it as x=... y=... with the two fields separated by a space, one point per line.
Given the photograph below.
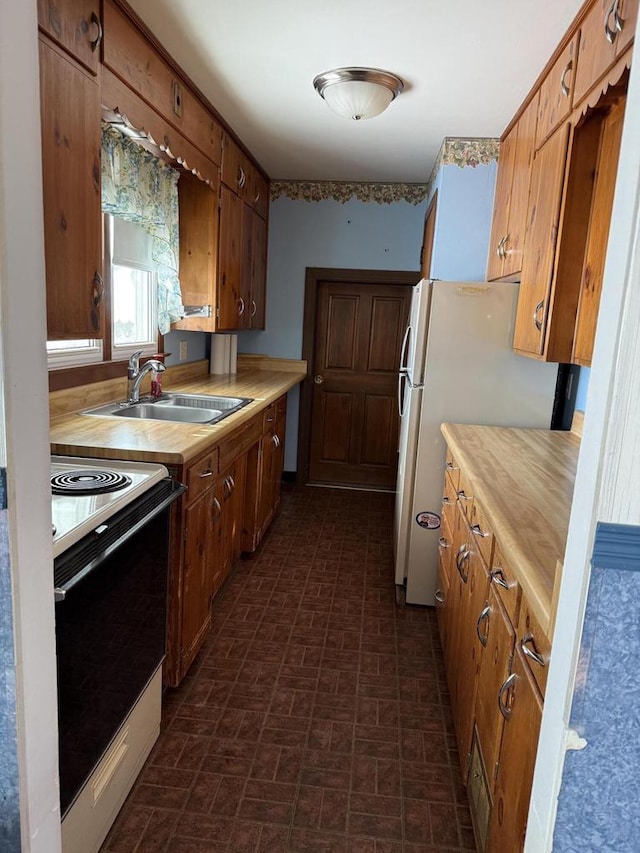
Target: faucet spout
x=135 y=374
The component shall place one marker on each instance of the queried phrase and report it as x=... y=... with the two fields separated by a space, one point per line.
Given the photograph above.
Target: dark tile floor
x=316 y=717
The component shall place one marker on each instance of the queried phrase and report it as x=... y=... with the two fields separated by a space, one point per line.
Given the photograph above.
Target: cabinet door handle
x=506 y=710
x=478 y=531
x=218 y=510
x=462 y=556
x=443 y=542
x=566 y=91
x=538 y=323
x=499 y=249
x=484 y=616
x=446 y=500
x=207 y=473
x=96 y=20
x=533 y=653
x=254 y=308
x=98 y=289
x=497 y=577
x=241 y=177
x=611 y=34
x=439 y=596
x=241 y=306
x=275 y=441
x=450 y=466
x=617 y=17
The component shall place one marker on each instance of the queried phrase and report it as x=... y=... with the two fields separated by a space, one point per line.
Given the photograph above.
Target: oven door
x=111 y=594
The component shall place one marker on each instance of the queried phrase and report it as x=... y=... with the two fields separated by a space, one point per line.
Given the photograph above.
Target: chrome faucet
x=135 y=374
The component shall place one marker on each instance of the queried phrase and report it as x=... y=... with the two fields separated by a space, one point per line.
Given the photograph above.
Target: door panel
x=354 y=429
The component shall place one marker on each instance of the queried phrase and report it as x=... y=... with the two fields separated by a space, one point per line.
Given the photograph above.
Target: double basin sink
x=183 y=408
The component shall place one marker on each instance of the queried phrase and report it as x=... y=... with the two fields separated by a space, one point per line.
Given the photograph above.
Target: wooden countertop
x=75 y=434
x=523 y=479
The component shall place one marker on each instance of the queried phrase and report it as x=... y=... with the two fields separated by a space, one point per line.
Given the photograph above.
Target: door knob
x=318 y=379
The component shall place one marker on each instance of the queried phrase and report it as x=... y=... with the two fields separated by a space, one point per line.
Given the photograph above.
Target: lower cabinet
x=233 y=491
x=264 y=476
x=496 y=659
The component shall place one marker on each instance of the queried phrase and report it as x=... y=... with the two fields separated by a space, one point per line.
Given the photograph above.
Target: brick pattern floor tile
x=316 y=718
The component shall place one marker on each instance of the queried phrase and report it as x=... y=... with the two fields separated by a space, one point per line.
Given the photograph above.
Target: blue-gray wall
x=354 y=235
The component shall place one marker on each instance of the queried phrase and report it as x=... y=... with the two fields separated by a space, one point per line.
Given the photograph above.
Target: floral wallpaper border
x=455 y=150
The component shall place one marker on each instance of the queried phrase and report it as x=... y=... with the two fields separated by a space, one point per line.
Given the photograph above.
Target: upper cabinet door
x=606 y=32
x=76 y=26
x=556 y=92
x=543 y=216
x=500 y=221
x=70 y=123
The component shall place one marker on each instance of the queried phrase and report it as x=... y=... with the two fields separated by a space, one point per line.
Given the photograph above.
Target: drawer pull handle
x=439 y=596
x=498 y=578
x=532 y=654
x=207 y=473
x=566 y=91
x=450 y=466
x=478 y=531
x=462 y=496
x=506 y=710
x=443 y=542
x=484 y=615
x=537 y=322
x=446 y=501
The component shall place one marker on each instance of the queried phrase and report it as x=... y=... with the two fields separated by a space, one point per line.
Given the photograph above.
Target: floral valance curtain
x=138 y=187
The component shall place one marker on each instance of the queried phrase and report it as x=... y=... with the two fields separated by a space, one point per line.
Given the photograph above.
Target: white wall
x=22 y=291
x=355 y=235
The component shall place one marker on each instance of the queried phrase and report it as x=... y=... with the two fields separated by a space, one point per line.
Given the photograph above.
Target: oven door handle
x=60 y=592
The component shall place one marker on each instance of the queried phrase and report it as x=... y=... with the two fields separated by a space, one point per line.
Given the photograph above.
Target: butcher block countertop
x=75 y=434
x=523 y=479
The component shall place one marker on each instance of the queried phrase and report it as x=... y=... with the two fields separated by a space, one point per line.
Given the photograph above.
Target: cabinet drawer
x=482 y=532
x=503 y=580
x=452 y=468
x=465 y=495
x=449 y=497
x=240 y=441
x=534 y=644
x=201 y=475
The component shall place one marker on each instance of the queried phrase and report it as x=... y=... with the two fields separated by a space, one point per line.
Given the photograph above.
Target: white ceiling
x=467 y=65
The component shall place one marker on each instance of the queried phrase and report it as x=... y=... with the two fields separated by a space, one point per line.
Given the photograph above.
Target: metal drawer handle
x=500 y=249
x=506 y=710
x=462 y=557
x=532 y=654
x=241 y=306
x=439 y=596
x=207 y=473
x=446 y=501
x=539 y=307
x=96 y=20
x=218 y=509
x=478 y=531
x=498 y=578
x=484 y=615
x=566 y=91
x=443 y=542
x=254 y=308
x=609 y=33
x=450 y=466
x=462 y=496
x=241 y=177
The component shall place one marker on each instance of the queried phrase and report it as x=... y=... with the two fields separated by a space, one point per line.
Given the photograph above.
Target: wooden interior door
x=354 y=423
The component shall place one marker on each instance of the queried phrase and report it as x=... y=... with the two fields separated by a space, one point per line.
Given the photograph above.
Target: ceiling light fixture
x=358 y=93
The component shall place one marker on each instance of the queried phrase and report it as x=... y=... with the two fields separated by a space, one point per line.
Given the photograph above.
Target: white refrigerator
x=458 y=366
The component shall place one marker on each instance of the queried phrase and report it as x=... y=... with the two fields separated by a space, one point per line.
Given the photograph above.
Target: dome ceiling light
x=358 y=93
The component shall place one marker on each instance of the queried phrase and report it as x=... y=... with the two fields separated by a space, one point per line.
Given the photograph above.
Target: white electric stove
x=87 y=492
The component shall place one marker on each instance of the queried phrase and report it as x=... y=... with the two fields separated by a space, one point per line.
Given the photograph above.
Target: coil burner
x=88 y=482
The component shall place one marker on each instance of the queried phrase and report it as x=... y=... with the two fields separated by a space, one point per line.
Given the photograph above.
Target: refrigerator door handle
x=403 y=350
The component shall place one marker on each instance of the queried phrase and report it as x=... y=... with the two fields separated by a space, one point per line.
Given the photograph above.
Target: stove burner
x=88 y=482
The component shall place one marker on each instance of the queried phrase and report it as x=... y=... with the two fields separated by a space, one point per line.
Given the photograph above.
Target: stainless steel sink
x=183 y=408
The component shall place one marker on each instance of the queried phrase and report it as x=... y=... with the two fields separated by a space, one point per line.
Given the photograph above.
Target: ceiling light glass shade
x=358 y=93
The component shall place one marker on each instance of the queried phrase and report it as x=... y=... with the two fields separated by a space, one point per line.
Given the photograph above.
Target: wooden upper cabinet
x=258 y=286
x=510 y=205
x=70 y=125
x=230 y=279
x=598 y=234
x=259 y=194
x=136 y=61
x=199 y=226
x=556 y=92
x=235 y=165
x=543 y=215
x=76 y=26
x=605 y=34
